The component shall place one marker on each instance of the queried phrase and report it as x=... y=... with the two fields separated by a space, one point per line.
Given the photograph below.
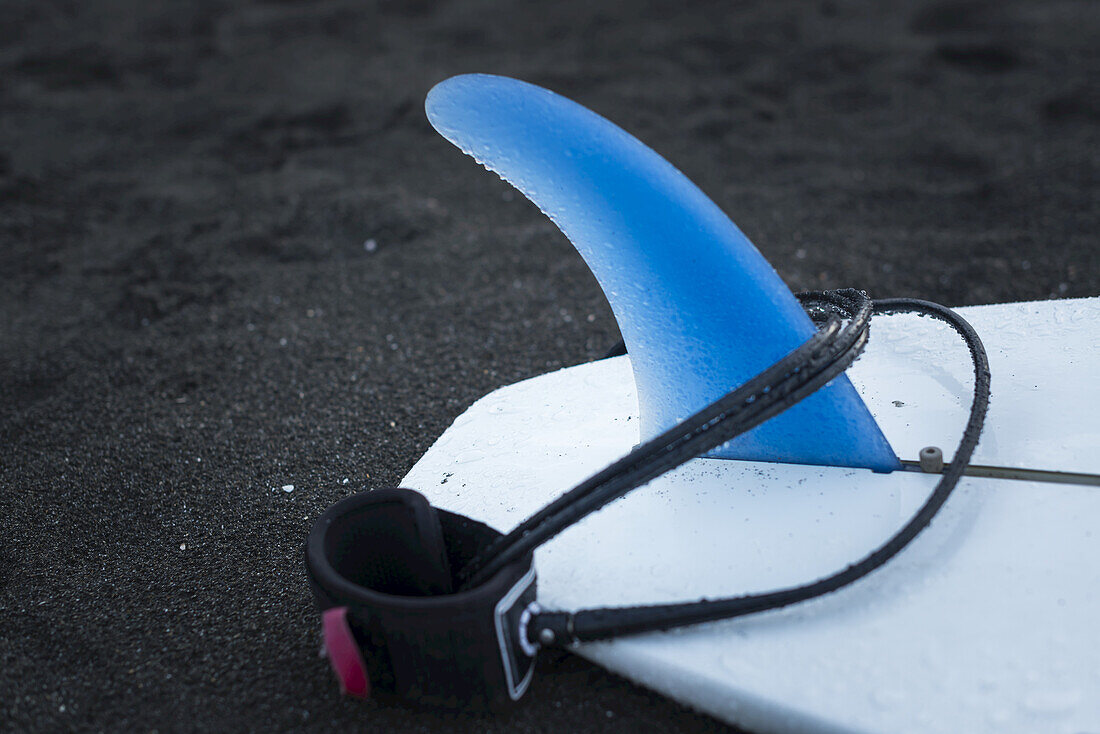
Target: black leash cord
x=825 y=355
x=553 y=627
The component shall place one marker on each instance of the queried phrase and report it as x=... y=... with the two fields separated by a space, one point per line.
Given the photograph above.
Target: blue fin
x=700 y=309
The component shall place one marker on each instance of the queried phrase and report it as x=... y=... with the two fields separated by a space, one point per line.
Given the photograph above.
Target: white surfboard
x=988 y=622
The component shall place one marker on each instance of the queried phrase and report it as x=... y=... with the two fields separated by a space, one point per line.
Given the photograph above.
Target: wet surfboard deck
x=986 y=623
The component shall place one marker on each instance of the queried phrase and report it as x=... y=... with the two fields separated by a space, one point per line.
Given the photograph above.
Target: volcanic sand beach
x=236 y=259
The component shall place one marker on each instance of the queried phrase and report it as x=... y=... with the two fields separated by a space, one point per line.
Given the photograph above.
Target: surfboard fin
x=700 y=310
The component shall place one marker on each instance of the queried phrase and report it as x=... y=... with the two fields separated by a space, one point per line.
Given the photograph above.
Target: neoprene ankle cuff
x=386 y=633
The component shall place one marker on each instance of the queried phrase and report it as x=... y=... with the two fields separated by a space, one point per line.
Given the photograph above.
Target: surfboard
x=987 y=622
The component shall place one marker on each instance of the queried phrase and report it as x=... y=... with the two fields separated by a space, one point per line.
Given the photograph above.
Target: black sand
x=191 y=320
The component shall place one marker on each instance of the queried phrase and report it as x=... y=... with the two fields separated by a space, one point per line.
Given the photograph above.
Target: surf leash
x=432 y=607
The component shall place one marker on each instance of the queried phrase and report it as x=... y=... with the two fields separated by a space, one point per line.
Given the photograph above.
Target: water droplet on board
x=503 y=407
x=469 y=456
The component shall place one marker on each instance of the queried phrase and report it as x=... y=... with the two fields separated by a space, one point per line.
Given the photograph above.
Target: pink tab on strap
x=343 y=653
